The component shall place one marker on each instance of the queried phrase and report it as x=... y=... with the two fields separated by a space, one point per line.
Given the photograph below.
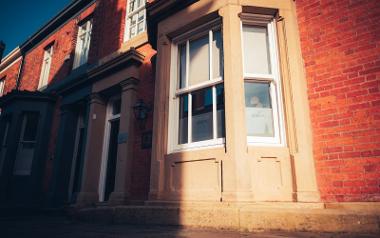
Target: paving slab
x=62 y=227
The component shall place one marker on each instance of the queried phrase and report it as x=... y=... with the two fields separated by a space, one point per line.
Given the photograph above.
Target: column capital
x=96 y=98
x=130 y=83
x=163 y=39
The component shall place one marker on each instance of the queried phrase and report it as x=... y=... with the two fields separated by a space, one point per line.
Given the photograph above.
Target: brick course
x=340 y=43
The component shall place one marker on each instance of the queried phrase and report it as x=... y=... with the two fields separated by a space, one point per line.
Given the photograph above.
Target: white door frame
x=80 y=125
x=107 y=131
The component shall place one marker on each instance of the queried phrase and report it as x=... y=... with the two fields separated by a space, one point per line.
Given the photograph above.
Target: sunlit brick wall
x=341 y=50
x=64 y=40
x=108 y=28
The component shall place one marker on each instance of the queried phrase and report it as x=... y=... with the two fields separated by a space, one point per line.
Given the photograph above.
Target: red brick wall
x=10 y=75
x=108 y=28
x=341 y=49
x=141 y=160
x=64 y=40
x=108 y=37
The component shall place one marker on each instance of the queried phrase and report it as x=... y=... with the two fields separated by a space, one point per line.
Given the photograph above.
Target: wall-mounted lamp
x=141 y=110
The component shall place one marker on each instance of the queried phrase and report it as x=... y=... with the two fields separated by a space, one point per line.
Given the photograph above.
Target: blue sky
x=19 y=19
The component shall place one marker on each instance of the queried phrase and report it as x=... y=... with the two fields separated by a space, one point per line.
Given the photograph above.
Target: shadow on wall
x=186 y=175
x=127 y=214
x=108 y=29
x=106 y=37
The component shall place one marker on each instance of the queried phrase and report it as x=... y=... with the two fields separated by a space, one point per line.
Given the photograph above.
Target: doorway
x=109 y=161
x=76 y=165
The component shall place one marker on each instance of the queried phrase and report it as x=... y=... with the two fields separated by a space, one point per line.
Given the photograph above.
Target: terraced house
x=187 y=111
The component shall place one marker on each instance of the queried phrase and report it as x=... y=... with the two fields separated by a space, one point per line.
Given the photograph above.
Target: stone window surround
x=241 y=161
x=204 y=29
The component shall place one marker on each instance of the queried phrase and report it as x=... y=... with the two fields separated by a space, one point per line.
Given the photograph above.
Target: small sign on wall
x=146 y=140
x=122 y=138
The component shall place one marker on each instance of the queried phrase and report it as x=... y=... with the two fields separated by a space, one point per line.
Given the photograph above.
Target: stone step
x=243 y=217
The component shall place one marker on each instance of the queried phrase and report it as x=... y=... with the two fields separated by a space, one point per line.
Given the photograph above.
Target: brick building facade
x=176 y=101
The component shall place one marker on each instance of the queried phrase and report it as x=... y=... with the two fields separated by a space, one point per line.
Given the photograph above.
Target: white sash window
x=27 y=144
x=46 y=65
x=136 y=18
x=83 y=44
x=197 y=90
x=2 y=85
x=262 y=83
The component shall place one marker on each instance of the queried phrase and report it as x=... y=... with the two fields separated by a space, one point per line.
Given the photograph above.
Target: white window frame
x=274 y=78
x=107 y=130
x=17 y=171
x=45 y=69
x=2 y=85
x=129 y=15
x=176 y=92
x=83 y=46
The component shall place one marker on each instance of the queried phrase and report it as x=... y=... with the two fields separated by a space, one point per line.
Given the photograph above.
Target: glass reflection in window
x=259 y=113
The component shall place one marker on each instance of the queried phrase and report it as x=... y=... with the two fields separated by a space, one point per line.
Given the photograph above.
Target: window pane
x=141 y=15
x=259 y=113
x=140 y=27
x=199 y=61
x=48 y=53
x=217 y=55
x=256 y=50
x=134 y=20
x=202 y=122
x=31 y=124
x=133 y=31
x=182 y=66
x=132 y=5
x=220 y=111
x=183 y=116
x=24 y=158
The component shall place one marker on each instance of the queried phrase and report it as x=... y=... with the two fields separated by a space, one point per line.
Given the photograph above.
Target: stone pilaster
x=123 y=177
x=93 y=152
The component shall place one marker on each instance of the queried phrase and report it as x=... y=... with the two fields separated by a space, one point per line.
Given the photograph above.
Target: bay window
x=197 y=106
x=262 y=83
x=136 y=18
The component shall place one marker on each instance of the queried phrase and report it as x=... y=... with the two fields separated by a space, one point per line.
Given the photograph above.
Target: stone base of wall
x=319 y=217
